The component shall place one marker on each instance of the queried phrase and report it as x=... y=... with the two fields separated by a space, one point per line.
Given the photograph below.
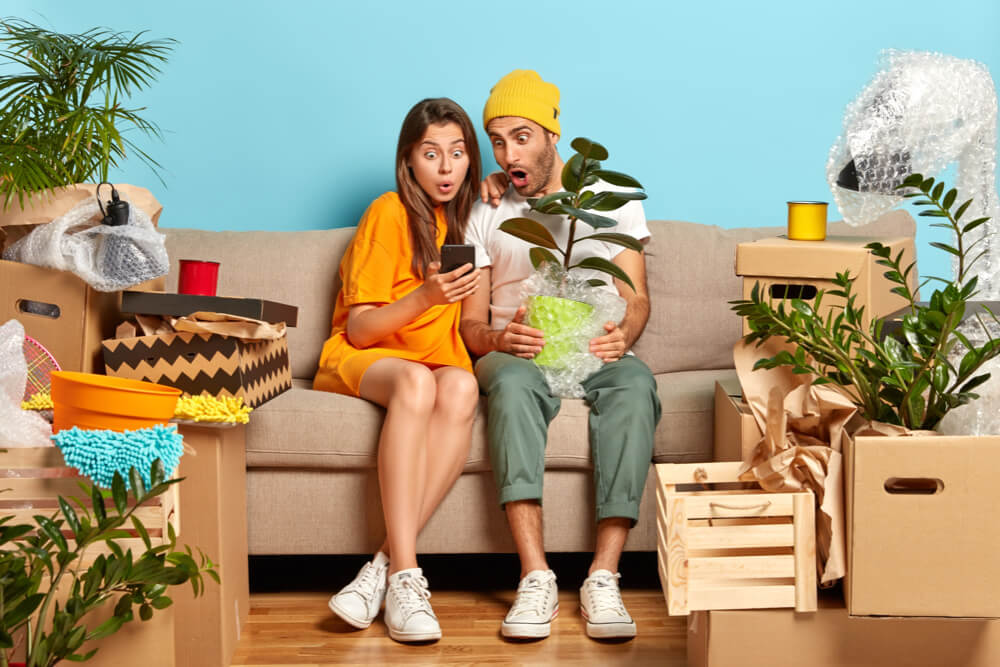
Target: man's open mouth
x=519 y=177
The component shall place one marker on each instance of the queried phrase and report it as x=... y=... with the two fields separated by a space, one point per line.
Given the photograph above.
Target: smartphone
x=455 y=255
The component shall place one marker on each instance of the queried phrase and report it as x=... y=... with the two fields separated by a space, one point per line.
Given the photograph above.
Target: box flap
x=48 y=205
x=182 y=305
x=780 y=257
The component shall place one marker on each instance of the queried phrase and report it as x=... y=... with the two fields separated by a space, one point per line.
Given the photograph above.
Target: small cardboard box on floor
x=797 y=269
x=208 y=627
x=923 y=539
x=58 y=309
x=736 y=430
x=830 y=637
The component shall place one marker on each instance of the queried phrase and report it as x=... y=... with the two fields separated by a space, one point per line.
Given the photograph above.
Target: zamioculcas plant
x=912 y=378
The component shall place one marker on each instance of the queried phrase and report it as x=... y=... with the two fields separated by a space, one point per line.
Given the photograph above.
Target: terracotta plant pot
x=561 y=320
x=91 y=401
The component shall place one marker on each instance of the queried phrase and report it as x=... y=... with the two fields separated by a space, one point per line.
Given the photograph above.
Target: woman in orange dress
x=395 y=342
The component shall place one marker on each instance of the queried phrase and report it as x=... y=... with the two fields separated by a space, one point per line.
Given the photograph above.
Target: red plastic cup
x=198 y=277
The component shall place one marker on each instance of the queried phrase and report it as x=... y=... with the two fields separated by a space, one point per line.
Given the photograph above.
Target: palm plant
x=64 y=119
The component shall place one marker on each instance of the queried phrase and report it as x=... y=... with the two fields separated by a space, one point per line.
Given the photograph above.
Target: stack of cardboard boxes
x=921 y=580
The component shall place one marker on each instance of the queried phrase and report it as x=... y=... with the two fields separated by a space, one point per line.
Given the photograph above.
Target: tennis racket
x=41 y=363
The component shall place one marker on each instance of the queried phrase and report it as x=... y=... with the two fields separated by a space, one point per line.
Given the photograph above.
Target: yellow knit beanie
x=522 y=93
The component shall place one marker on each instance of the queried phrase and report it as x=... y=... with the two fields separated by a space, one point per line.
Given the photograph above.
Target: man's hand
x=611 y=346
x=519 y=339
x=493 y=187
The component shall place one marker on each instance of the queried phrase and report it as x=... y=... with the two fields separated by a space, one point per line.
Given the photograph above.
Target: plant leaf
x=530 y=231
x=617 y=178
x=618 y=239
x=603 y=265
x=589 y=149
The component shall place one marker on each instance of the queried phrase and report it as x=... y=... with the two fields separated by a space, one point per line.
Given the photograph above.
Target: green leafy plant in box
x=42 y=560
x=910 y=378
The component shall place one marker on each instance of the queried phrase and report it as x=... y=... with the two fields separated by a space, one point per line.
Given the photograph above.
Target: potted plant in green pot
x=50 y=579
x=64 y=119
x=562 y=307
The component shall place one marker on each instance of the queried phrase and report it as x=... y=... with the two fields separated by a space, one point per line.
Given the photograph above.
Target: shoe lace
x=413 y=596
x=532 y=597
x=367 y=582
x=605 y=595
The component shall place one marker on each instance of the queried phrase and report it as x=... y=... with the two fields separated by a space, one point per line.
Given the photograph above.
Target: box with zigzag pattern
x=256 y=371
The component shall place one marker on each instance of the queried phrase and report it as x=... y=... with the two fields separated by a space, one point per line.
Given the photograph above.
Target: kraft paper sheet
x=805 y=429
x=244 y=328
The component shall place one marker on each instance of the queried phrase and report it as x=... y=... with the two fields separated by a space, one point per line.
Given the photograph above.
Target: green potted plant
x=911 y=379
x=63 y=120
x=48 y=586
x=557 y=316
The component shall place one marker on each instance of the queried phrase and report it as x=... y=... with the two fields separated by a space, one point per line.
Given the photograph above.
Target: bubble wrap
x=922 y=112
x=18 y=428
x=551 y=280
x=108 y=258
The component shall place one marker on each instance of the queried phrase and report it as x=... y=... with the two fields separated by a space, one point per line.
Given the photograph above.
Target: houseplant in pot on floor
x=569 y=307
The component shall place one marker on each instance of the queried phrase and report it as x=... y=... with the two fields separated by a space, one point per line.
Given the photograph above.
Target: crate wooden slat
x=36 y=476
x=732 y=549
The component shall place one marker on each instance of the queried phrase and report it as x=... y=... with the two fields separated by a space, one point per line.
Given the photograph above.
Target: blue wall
x=284 y=115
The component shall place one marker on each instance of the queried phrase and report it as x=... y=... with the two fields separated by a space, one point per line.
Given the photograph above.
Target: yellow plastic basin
x=91 y=401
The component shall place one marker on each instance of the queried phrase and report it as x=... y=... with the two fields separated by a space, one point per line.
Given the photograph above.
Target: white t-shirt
x=508 y=255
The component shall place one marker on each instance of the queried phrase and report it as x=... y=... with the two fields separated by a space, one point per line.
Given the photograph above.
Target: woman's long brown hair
x=419 y=207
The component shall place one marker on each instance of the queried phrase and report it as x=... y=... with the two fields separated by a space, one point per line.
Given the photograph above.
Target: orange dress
x=376 y=270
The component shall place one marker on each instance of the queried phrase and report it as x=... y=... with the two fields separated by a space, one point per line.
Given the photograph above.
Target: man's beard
x=546 y=161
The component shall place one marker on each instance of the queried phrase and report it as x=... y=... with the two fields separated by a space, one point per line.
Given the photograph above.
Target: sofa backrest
x=691 y=274
x=690 y=271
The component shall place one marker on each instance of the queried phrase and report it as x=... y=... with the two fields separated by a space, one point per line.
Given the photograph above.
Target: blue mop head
x=98 y=454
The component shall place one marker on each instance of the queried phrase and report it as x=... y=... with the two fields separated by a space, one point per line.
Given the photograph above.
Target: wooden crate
x=732 y=548
x=36 y=476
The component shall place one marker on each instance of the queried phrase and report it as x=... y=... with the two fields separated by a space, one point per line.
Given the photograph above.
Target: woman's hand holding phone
x=445 y=288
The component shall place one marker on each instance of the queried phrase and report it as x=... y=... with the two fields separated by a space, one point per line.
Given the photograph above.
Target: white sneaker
x=359 y=601
x=408 y=614
x=602 y=607
x=537 y=603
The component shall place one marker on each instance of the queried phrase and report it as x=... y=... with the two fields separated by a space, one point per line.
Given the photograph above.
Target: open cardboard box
x=922 y=534
x=797 y=269
x=736 y=432
x=58 y=309
x=830 y=637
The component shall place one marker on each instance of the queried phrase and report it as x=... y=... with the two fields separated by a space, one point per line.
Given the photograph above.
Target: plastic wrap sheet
x=920 y=113
x=18 y=428
x=982 y=415
x=108 y=258
x=551 y=280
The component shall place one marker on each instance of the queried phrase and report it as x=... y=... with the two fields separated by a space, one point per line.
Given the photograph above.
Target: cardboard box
x=58 y=309
x=221 y=365
x=208 y=628
x=736 y=431
x=831 y=638
x=34 y=477
x=922 y=536
x=181 y=305
x=799 y=268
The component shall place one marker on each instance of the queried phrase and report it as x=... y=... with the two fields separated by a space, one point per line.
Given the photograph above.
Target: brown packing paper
x=805 y=427
x=244 y=328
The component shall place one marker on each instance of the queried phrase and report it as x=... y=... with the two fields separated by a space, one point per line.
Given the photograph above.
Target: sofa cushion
x=297 y=268
x=304 y=428
x=691 y=277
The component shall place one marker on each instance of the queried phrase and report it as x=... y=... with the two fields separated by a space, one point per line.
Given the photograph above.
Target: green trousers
x=624 y=411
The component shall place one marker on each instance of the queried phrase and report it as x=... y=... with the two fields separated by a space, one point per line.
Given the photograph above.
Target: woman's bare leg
x=449 y=433
x=407 y=390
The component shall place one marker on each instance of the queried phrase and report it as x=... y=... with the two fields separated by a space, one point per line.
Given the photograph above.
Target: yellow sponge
x=207 y=408
x=40 y=401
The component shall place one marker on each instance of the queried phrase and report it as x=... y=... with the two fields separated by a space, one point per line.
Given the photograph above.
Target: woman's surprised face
x=439 y=162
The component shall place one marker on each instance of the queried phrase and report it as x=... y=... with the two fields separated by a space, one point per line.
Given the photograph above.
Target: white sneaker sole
x=348 y=618
x=608 y=630
x=426 y=636
x=528 y=630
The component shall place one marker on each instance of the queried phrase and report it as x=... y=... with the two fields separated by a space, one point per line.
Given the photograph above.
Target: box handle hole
x=913 y=486
x=38 y=308
x=786 y=291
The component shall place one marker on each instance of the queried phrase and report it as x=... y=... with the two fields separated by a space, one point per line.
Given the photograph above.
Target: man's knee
x=508 y=375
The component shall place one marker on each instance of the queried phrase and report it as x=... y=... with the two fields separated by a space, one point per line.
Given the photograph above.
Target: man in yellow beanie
x=521 y=118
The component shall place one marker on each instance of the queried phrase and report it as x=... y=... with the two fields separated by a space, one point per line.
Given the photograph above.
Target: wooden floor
x=295 y=627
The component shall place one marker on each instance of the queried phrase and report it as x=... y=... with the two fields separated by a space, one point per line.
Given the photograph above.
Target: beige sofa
x=312 y=486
